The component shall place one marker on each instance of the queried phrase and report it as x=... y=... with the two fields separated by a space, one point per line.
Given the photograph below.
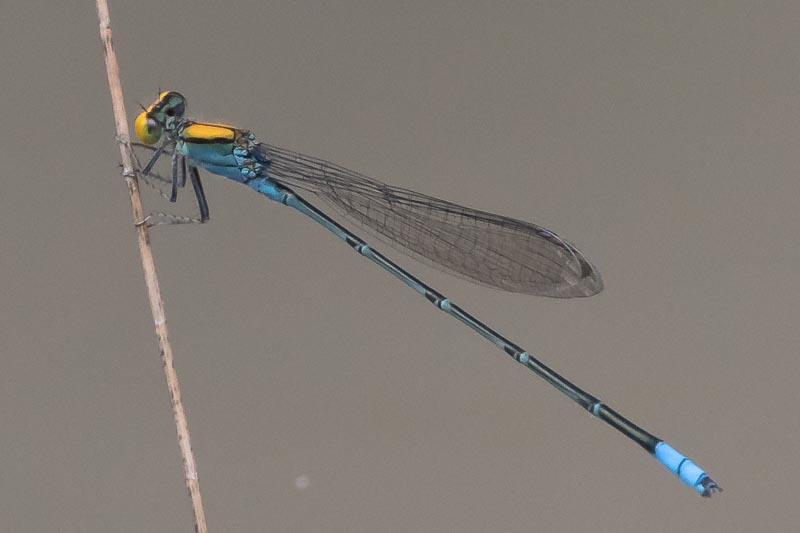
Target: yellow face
x=147 y=129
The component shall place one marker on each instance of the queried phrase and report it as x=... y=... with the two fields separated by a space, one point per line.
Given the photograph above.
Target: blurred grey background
x=660 y=137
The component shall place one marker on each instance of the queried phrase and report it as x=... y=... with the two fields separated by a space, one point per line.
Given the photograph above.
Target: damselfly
x=485 y=248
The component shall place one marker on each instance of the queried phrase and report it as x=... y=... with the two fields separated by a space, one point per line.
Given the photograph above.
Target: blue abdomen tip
x=686 y=470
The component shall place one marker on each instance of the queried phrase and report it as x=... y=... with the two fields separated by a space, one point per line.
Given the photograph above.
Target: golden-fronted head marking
x=147 y=129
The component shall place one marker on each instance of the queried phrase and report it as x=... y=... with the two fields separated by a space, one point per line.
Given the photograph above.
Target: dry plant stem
x=153 y=290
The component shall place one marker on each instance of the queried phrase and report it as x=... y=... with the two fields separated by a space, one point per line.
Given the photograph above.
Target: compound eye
x=147 y=129
x=177 y=109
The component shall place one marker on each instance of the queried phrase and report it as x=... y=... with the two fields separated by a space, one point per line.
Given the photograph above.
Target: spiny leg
x=149 y=166
x=182 y=169
x=202 y=204
x=159 y=218
x=176 y=163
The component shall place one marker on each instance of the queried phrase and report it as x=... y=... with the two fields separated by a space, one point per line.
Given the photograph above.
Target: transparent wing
x=492 y=250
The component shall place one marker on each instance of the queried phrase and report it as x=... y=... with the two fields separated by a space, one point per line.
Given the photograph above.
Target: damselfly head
x=163 y=114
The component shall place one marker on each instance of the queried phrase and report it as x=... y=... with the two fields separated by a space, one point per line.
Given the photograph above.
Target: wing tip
x=586 y=282
x=583 y=287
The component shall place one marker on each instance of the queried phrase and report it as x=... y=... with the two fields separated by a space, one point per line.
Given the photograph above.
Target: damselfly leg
x=179 y=169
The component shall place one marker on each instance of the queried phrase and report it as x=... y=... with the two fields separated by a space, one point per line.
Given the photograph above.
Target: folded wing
x=492 y=250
